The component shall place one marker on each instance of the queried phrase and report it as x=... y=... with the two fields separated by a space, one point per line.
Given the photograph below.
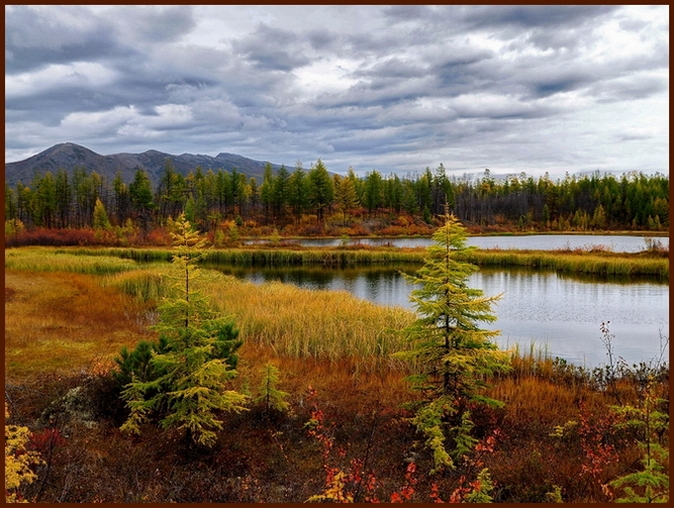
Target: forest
x=315 y=202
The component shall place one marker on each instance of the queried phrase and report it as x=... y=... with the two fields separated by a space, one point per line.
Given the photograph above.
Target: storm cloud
x=394 y=88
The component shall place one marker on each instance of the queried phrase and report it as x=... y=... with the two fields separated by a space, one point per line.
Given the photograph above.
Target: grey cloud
x=394 y=68
x=35 y=38
x=406 y=13
x=636 y=88
x=427 y=84
x=535 y=16
x=272 y=49
x=157 y=24
x=323 y=40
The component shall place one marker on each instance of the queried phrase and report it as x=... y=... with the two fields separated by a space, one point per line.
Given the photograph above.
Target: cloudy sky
x=393 y=88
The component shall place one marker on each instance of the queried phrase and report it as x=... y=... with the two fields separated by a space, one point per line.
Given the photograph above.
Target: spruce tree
x=451 y=352
x=189 y=388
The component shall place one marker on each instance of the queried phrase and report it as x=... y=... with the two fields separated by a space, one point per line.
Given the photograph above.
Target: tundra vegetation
x=234 y=392
x=325 y=419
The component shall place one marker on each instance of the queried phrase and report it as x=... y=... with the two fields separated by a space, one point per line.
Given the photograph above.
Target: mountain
x=69 y=155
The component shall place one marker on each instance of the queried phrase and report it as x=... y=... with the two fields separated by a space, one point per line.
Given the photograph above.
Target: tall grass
x=590 y=263
x=145 y=284
x=46 y=259
x=587 y=262
x=295 y=322
x=320 y=324
x=321 y=257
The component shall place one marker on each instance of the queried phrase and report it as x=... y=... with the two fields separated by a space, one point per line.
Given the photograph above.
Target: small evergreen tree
x=271 y=397
x=190 y=371
x=650 y=418
x=451 y=352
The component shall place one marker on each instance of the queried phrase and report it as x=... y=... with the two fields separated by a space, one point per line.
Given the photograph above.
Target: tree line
x=590 y=202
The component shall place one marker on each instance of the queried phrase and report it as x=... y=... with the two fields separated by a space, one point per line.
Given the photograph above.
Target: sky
x=514 y=89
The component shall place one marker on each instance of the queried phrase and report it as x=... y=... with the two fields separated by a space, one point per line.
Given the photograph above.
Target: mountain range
x=69 y=155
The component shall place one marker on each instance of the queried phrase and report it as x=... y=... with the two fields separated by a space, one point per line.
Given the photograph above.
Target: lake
x=616 y=243
x=557 y=312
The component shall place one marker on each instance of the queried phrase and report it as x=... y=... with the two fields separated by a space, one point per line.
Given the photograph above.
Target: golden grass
x=49 y=259
x=295 y=322
x=58 y=322
x=601 y=263
x=93 y=260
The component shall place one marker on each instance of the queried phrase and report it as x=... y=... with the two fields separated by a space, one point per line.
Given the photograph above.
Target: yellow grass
x=295 y=322
x=49 y=259
x=58 y=322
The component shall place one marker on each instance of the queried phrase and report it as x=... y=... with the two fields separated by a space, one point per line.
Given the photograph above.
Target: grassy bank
x=651 y=264
x=295 y=322
x=601 y=263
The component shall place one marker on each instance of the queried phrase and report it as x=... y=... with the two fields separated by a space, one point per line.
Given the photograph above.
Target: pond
x=616 y=243
x=558 y=313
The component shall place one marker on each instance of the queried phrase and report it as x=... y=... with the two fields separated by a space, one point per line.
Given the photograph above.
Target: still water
x=616 y=243
x=559 y=313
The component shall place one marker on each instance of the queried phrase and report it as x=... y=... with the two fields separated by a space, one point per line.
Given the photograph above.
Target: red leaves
x=46 y=440
x=407 y=491
x=593 y=432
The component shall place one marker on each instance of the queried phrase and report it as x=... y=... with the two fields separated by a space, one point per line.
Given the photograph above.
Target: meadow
x=68 y=311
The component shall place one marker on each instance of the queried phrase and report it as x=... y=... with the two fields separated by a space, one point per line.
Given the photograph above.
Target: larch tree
x=321 y=189
x=345 y=196
x=298 y=192
x=194 y=366
x=101 y=220
x=451 y=353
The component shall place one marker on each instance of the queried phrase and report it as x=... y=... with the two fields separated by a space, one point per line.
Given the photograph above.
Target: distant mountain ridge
x=70 y=155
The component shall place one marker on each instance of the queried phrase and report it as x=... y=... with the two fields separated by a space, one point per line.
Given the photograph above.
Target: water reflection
x=561 y=312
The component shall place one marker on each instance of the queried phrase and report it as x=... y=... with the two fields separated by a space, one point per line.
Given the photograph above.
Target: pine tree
x=449 y=349
x=189 y=389
x=299 y=191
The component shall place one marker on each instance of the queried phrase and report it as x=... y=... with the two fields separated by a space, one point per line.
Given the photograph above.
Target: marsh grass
x=322 y=257
x=49 y=259
x=331 y=325
x=583 y=261
x=59 y=322
x=600 y=262
x=293 y=322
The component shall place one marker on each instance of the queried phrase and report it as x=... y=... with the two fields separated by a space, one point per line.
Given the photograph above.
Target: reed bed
x=588 y=263
x=322 y=257
x=597 y=263
x=329 y=325
x=145 y=284
x=294 y=322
